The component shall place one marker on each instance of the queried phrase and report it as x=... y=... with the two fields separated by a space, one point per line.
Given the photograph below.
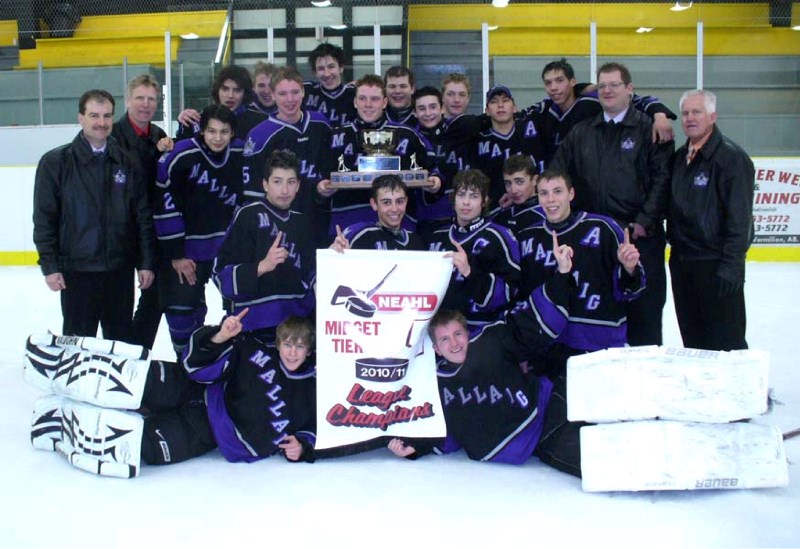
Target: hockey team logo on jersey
x=120 y=177
x=628 y=144
x=701 y=180
x=249 y=147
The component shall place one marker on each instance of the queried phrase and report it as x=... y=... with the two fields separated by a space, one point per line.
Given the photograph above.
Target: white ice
x=376 y=500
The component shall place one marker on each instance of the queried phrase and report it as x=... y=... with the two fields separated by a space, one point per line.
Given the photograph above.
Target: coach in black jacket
x=92 y=225
x=710 y=228
x=145 y=141
x=618 y=171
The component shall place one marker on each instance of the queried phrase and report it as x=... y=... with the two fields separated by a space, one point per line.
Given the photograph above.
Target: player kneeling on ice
x=113 y=408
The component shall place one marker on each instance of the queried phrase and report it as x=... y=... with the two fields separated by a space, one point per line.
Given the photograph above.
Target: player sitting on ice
x=112 y=407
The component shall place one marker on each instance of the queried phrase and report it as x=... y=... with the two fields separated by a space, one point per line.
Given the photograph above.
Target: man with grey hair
x=136 y=133
x=710 y=228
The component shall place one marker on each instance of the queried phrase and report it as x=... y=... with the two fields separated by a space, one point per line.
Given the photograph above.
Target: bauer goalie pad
x=672 y=455
x=97 y=440
x=634 y=383
x=68 y=367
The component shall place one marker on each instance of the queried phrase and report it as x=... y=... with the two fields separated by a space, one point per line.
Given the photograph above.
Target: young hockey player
x=200 y=186
x=492 y=410
x=485 y=255
x=520 y=204
x=329 y=95
x=113 y=408
x=605 y=269
x=267 y=262
x=389 y=200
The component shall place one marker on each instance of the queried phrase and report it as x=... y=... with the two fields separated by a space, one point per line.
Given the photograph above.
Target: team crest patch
x=628 y=144
x=120 y=178
x=249 y=147
x=700 y=180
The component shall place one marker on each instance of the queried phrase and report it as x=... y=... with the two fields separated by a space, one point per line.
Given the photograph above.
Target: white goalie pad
x=636 y=383
x=101 y=378
x=46 y=422
x=91 y=344
x=671 y=455
x=100 y=440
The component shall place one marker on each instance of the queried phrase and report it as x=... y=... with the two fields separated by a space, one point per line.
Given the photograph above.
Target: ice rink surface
x=374 y=499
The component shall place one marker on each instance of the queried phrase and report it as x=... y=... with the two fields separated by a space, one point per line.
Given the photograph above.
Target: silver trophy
x=376 y=160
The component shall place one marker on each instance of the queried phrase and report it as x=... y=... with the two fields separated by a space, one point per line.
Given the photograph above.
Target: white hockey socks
x=106 y=373
x=98 y=440
x=668 y=383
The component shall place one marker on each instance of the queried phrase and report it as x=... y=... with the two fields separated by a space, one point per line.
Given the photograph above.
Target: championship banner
x=376 y=368
x=776 y=207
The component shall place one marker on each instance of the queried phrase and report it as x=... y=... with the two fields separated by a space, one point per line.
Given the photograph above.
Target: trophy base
x=363 y=180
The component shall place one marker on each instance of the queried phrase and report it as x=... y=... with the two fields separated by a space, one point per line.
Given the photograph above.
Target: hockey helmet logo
x=358 y=302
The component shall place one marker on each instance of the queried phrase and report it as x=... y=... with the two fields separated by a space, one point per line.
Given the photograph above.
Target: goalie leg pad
x=100 y=440
x=46 y=422
x=667 y=383
x=672 y=455
x=103 y=379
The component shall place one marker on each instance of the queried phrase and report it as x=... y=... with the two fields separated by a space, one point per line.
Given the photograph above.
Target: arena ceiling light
x=500 y=3
x=680 y=7
x=642 y=30
x=321 y=3
x=190 y=36
x=338 y=27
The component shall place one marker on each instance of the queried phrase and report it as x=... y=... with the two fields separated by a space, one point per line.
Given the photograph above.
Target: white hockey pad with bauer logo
x=635 y=383
x=672 y=455
x=106 y=373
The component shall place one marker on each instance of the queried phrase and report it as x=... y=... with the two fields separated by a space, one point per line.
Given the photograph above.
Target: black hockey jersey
x=492 y=285
x=338 y=105
x=276 y=295
x=597 y=311
x=200 y=190
x=253 y=400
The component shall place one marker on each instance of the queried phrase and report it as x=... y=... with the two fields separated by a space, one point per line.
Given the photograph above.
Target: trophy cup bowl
x=377 y=159
x=377 y=142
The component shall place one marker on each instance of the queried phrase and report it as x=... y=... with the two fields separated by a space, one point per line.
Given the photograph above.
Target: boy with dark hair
x=485 y=255
x=267 y=262
x=389 y=200
x=200 y=186
x=523 y=210
x=569 y=102
x=232 y=88
x=399 y=89
x=229 y=390
x=329 y=95
x=507 y=135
